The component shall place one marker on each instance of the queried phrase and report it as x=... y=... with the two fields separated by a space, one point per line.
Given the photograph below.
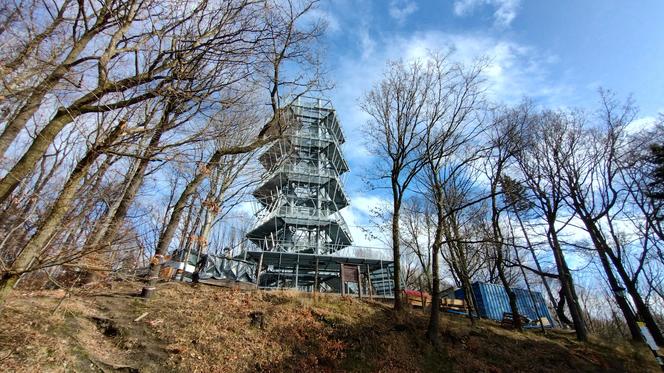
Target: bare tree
x=463 y=236
x=52 y=221
x=590 y=175
x=204 y=43
x=134 y=106
x=191 y=187
x=286 y=40
x=89 y=20
x=515 y=195
x=541 y=143
x=395 y=132
x=504 y=144
x=453 y=121
x=419 y=225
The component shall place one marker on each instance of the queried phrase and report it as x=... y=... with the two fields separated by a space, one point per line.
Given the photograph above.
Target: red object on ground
x=416 y=293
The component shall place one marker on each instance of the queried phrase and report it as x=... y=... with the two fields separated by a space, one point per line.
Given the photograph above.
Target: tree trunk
x=105 y=221
x=52 y=222
x=566 y=282
x=210 y=214
x=452 y=238
x=25 y=165
x=174 y=220
x=605 y=252
x=560 y=308
x=516 y=317
x=644 y=311
x=602 y=249
x=434 y=317
x=117 y=215
x=189 y=244
x=168 y=233
x=620 y=299
x=642 y=308
x=498 y=247
x=561 y=314
x=7 y=282
x=396 y=254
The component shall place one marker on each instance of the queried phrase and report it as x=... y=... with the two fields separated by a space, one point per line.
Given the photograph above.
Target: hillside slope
x=208 y=329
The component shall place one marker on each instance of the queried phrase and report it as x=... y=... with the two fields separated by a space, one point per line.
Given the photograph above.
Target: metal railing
x=315 y=175
x=330 y=248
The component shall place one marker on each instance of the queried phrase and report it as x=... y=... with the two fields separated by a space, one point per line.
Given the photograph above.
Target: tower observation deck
x=302 y=192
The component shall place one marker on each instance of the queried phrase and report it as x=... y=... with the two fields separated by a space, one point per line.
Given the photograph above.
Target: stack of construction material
x=543 y=321
x=508 y=320
x=453 y=306
x=418 y=299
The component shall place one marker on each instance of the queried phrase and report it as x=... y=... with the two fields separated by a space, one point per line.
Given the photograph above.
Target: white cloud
x=330 y=20
x=514 y=71
x=401 y=9
x=641 y=124
x=367 y=44
x=503 y=16
x=362 y=228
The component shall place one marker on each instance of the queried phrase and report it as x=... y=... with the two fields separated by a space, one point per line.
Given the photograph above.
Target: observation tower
x=300 y=234
x=301 y=194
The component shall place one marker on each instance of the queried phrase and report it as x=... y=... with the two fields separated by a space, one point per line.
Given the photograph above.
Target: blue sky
x=556 y=52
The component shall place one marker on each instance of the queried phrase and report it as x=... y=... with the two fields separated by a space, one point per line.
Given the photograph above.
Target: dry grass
x=207 y=329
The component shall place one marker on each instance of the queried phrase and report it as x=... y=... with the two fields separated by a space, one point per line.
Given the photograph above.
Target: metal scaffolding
x=300 y=231
x=302 y=192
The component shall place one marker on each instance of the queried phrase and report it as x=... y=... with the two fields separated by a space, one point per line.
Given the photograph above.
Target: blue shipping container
x=492 y=300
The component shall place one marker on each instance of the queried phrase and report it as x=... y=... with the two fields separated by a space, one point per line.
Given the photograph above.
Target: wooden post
x=297 y=273
x=359 y=281
x=369 y=287
x=279 y=274
x=341 y=276
x=316 y=287
x=258 y=270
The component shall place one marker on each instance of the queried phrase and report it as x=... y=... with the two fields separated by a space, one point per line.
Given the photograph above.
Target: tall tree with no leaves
x=504 y=143
x=541 y=143
x=454 y=120
x=395 y=133
x=591 y=176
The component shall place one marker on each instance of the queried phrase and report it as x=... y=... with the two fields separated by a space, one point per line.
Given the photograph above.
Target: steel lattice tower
x=301 y=193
